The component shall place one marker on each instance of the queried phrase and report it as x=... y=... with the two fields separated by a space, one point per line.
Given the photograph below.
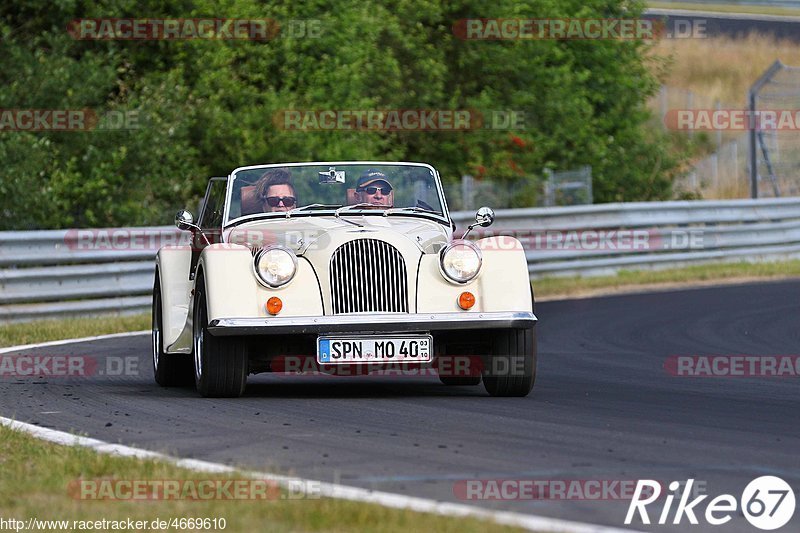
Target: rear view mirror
x=331 y=176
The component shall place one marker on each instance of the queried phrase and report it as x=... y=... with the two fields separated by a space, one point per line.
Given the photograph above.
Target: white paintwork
x=501 y=285
x=172 y=264
x=233 y=291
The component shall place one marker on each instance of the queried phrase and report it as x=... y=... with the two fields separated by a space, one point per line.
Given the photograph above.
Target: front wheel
x=220 y=363
x=510 y=369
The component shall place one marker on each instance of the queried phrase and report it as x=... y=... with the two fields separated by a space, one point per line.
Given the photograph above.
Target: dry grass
x=722 y=68
x=725 y=8
x=701 y=72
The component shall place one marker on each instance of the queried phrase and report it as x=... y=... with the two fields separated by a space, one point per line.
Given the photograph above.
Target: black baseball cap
x=370 y=176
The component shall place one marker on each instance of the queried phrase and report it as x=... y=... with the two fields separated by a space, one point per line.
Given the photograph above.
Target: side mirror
x=184 y=220
x=484 y=217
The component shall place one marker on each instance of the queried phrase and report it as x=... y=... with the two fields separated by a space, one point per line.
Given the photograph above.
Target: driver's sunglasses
x=288 y=201
x=373 y=190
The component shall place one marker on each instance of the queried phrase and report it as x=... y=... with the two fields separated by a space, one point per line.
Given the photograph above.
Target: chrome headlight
x=460 y=261
x=275 y=265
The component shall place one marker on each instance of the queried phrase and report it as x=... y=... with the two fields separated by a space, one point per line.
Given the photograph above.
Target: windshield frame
x=444 y=218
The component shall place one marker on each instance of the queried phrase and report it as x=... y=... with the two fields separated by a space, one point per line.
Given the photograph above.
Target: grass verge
x=37 y=476
x=70 y=328
x=551 y=288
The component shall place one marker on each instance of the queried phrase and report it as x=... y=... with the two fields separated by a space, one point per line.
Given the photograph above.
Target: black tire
x=510 y=369
x=220 y=363
x=170 y=370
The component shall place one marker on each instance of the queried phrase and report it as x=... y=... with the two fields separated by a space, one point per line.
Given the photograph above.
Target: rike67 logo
x=767 y=503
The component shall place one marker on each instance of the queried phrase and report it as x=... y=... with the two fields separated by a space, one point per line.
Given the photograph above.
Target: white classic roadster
x=348 y=265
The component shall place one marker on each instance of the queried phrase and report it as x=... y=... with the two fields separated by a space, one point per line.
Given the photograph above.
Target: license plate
x=334 y=350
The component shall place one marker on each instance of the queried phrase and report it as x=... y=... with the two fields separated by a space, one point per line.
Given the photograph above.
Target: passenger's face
x=376 y=193
x=279 y=195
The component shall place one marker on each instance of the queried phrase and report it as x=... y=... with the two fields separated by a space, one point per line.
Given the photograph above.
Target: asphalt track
x=604 y=408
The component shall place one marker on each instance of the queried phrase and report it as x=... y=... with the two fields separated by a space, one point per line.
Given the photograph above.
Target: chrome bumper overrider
x=371 y=322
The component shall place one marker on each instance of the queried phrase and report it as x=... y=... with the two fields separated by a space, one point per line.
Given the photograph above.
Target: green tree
x=205 y=107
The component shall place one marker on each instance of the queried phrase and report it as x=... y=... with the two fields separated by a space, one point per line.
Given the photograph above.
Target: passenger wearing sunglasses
x=373 y=188
x=276 y=191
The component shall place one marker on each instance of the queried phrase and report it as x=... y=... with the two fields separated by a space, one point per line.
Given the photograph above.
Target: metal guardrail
x=49 y=274
x=63 y=273
x=676 y=234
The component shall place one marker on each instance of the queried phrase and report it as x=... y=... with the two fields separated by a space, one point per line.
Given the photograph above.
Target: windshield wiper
x=415 y=209
x=349 y=207
x=346 y=208
x=311 y=206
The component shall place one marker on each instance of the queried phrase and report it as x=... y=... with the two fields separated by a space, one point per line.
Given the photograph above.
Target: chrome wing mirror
x=483 y=218
x=185 y=221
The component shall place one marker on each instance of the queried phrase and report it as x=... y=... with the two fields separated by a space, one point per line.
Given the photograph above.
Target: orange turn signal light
x=274 y=305
x=466 y=300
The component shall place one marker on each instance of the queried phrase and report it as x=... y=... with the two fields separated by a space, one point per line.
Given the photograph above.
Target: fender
x=232 y=290
x=172 y=267
x=503 y=283
x=230 y=285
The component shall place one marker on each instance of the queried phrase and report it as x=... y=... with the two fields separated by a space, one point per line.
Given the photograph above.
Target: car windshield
x=322 y=188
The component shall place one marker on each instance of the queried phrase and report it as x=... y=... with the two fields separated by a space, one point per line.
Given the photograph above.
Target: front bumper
x=371 y=322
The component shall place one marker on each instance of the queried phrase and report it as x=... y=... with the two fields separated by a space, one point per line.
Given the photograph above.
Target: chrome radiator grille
x=368 y=275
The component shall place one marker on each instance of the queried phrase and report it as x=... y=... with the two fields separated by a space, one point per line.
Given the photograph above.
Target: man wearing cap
x=373 y=188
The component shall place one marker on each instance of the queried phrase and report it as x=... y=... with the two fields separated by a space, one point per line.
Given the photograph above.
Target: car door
x=212 y=211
